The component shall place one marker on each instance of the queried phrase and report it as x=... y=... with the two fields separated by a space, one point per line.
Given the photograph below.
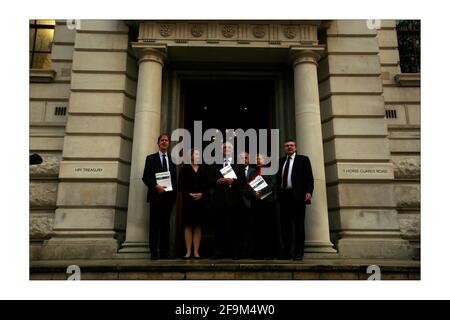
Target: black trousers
x=228 y=231
x=266 y=230
x=292 y=218
x=248 y=232
x=160 y=212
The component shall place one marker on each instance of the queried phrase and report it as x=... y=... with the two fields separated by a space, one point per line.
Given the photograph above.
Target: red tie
x=285 y=173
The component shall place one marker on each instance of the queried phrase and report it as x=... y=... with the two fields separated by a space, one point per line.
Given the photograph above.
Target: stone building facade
x=113 y=86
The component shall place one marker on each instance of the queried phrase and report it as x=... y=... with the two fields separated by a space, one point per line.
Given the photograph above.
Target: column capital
x=299 y=55
x=147 y=52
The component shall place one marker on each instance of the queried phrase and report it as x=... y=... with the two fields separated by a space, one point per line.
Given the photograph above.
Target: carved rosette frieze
x=259 y=32
x=229 y=30
x=272 y=33
x=290 y=32
x=166 y=30
x=197 y=30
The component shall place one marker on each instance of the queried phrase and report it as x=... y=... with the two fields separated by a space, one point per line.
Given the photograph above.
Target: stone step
x=205 y=269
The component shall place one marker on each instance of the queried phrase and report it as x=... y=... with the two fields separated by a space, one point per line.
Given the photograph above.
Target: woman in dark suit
x=193 y=184
x=265 y=211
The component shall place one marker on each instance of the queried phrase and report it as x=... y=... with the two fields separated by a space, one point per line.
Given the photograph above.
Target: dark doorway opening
x=223 y=104
x=228 y=104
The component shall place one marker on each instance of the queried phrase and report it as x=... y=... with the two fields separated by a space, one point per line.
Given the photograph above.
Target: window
x=408 y=35
x=41 y=38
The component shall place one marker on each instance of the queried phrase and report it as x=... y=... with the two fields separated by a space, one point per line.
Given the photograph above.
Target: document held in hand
x=259 y=184
x=228 y=172
x=164 y=179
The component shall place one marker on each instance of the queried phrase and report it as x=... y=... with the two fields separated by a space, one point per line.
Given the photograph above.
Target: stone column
x=309 y=142
x=147 y=123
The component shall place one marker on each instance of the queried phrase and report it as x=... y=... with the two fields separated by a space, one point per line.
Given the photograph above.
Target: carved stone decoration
x=407 y=168
x=43 y=194
x=41 y=227
x=229 y=30
x=48 y=168
x=259 y=32
x=290 y=32
x=409 y=225
x=166 y=30
x=407 y=196
x=197 y=30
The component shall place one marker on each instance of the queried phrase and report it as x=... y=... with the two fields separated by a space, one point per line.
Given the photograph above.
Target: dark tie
x=164 y=162
x=286 y=173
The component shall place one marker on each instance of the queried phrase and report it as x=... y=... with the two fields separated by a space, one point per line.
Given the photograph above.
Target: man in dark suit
x=296 y=185
x=248 y=216
x=227 y=202
x=160 y=200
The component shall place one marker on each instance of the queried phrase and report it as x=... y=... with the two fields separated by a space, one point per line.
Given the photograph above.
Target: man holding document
x=160 y=177
x=227 y=180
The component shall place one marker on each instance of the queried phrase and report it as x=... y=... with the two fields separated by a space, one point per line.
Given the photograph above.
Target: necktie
x=164 y=162
x=285 y=173
x=225 y=163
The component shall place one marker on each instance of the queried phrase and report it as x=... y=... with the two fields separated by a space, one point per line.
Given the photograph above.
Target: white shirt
x=289 y=180
x=161 y=159
x=246 y=172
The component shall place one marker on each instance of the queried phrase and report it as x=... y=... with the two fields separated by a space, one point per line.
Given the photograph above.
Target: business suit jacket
x=301 y=177
x=247 y=190
x=153 y=165
x=224 y=195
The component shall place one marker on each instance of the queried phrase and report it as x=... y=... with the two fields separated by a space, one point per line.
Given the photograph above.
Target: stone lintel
x=42 y=75
x=408 y=79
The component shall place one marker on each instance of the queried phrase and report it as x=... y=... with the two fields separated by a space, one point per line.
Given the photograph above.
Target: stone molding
x=408 y=79
x=241 y=33
x=42 y=75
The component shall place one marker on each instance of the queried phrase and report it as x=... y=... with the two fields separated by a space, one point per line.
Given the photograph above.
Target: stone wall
x=360 y=175
x=401 y=94
x=48 y=99
x=93 y=190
